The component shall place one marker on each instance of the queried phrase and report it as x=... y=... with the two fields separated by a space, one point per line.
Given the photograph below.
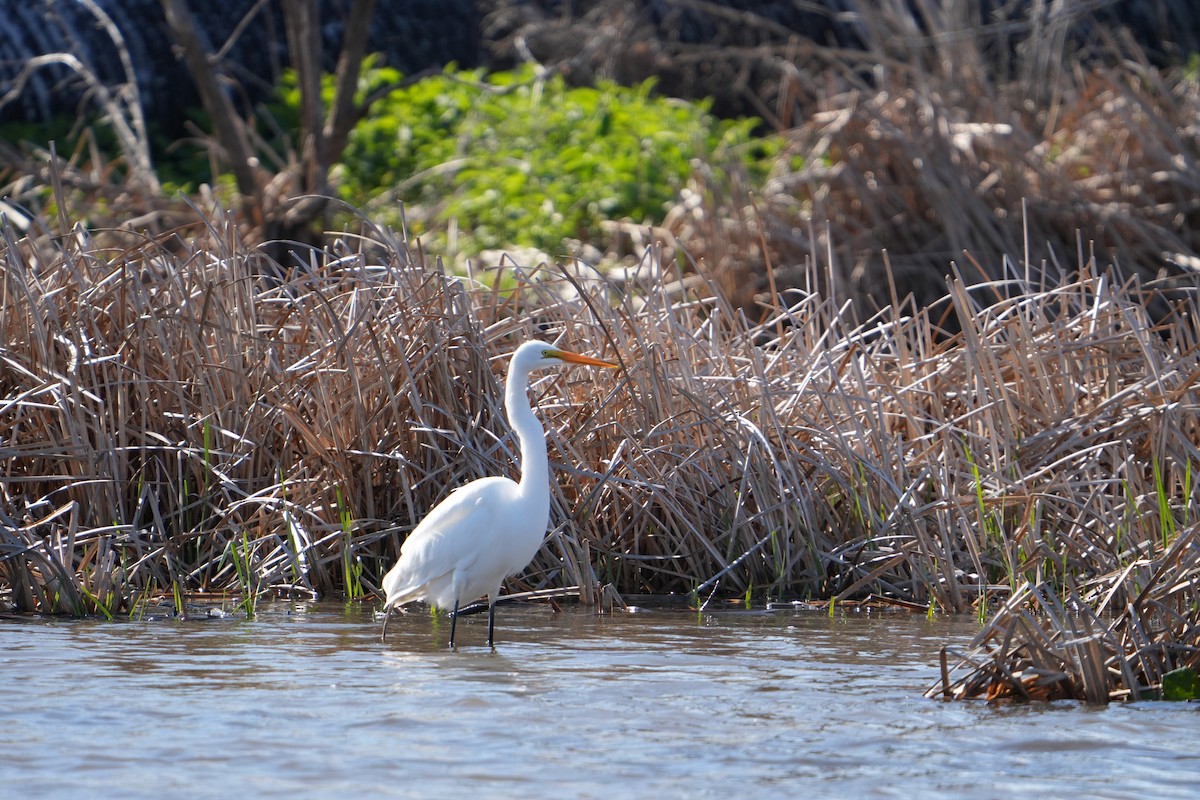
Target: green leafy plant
x=1181 y=684
x=517 y=158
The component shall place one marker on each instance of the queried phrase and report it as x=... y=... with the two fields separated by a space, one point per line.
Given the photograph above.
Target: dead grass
x=174 y=421
x=896 y=170
x=1068 y=642
x=976 y=391
x=1045 y=451
x=159 y=405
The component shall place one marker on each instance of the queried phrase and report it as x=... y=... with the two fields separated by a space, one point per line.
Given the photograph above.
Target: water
x=305 y=702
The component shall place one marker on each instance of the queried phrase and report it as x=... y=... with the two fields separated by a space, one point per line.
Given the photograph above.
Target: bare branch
x=302 y=21
x=228 y=127
x=344 y=114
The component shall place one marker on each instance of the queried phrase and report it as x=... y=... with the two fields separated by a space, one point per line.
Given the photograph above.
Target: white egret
x=492 y=527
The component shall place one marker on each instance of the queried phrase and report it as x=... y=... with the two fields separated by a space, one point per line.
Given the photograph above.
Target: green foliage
x=180 y=166
x=514 y=159
x=241 y=556
x=1191 y=71
x=1181 y=684
x=352 y=568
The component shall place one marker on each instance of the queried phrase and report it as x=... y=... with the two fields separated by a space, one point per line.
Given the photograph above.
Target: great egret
x=492 y=527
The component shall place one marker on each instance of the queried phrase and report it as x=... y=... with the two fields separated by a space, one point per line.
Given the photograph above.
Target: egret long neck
x=535 y=470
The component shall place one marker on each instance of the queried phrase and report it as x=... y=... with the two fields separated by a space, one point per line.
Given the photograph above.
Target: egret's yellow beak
x=575 y=358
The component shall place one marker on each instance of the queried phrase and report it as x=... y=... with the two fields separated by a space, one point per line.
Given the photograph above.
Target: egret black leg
x=387 y=614
x=453 y=622
x=491 y=621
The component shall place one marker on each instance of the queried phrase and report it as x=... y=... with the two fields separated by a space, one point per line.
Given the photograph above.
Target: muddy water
x=304 y=701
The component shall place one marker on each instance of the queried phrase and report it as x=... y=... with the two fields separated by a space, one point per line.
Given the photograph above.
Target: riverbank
x=931 y=343
x=176 y=419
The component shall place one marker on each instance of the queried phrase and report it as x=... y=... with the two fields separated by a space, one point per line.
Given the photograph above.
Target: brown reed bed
x=158 y=402
x=1019 y=465
x=938 y=149
x=180 y=416
x=179 y=420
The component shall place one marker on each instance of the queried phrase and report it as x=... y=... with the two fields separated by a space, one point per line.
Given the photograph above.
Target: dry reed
x=157 y=404
x=176 y=418
x=1045 y=450
x=172 y=421
x=926 y=147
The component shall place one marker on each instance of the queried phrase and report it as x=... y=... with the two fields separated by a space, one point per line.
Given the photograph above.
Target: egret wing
x=449 y=538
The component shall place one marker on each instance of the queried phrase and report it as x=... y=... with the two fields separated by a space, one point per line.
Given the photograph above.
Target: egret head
x=535 y=355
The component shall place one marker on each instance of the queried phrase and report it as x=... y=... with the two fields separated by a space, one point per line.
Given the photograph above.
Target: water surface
x=304 y=701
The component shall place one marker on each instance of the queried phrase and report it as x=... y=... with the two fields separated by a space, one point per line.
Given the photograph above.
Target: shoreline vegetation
x=945 y=357
x=176 y=422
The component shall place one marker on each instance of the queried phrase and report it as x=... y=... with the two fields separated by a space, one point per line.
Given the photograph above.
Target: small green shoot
x=1166 y=520
x=98 y=604
x=352 y=568
x=239 y=553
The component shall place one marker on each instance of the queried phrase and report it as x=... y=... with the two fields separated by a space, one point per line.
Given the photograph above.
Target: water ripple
x=652 y=704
